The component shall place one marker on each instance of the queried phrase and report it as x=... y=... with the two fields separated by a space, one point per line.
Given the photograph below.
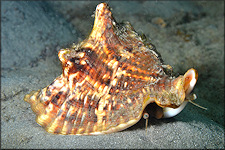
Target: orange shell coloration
x=107 y=81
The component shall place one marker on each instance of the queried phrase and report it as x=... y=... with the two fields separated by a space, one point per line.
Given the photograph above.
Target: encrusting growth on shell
x=106 y=83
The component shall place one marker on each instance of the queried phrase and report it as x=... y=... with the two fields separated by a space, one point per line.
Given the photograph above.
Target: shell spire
x=103 y=21
x=106 y=83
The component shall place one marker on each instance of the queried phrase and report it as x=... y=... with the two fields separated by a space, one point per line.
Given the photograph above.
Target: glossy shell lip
x=171 y=112
x=191 y=77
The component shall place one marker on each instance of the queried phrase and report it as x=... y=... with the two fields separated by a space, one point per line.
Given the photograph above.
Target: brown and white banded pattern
x=107 y=81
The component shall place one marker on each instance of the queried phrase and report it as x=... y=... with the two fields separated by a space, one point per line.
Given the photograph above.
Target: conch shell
x=107 y=81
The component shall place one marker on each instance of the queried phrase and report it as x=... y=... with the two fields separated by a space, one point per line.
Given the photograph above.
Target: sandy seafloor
x=191 y=35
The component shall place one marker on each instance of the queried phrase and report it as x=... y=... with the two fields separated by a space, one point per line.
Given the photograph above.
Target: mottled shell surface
x=107 y=81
